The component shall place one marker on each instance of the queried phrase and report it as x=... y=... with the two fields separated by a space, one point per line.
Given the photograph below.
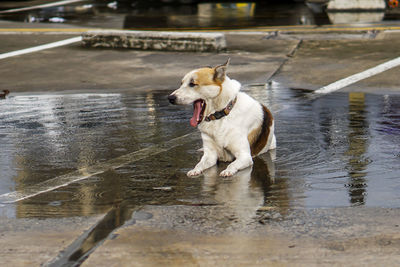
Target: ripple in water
x=337 y=150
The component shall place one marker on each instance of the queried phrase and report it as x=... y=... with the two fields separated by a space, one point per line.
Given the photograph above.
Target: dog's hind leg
x=271 y=145
x=241 y=151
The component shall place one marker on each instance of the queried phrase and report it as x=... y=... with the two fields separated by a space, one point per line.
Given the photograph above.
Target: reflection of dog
x=233 y=125
x=243 y=194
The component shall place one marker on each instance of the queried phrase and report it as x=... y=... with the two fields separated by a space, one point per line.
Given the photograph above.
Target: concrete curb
x=323 y=35
x=165 y=41
x=356 y=5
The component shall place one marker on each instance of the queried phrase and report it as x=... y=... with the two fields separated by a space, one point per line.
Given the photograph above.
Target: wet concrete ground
x=94 y=125
x=340 y=147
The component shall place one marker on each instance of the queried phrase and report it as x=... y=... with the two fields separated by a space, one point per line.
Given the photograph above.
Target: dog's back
x=247 y=117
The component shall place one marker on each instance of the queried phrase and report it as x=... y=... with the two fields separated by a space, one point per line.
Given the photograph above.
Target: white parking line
x=93 y=170
x=358 y=77
x=59 y=3
x=41 y=47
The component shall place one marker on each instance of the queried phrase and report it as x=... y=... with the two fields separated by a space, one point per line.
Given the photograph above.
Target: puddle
x=194 y=15
x=338 y=150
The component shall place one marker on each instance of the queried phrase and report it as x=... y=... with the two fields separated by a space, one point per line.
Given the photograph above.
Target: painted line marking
x=41 y=47
x=87 y=172
x=59 y=3
x=358 y=77
x=42 y=30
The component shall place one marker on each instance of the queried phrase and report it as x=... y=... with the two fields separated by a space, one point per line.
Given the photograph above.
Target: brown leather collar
x=222 y=113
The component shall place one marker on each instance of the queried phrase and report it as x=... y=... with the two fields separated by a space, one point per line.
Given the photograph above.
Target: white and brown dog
x=234 y=126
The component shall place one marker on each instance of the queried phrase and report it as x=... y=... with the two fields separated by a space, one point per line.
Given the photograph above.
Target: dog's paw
x=193 y=172
x=227 y=173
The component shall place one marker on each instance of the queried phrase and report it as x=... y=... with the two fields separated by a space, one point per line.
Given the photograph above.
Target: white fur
x=225 y=139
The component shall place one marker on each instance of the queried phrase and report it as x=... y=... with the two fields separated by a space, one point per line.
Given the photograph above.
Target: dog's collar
x=222 y=113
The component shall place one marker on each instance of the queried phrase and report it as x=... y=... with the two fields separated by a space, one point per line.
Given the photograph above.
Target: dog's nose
x=172 y=99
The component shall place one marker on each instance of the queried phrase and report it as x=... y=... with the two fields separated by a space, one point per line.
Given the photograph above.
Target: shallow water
x=337 y=150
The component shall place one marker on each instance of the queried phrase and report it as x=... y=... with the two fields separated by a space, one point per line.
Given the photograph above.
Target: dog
x=234 y=127
x=4 y=94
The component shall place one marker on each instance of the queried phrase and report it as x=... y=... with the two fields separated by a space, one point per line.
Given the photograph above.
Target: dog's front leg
x=241 y=151
x=208 y=159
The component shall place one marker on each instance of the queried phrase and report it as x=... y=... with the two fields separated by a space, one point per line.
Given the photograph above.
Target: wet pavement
x=93 y=159
x=338 y=150
x=200 y=236
x=335 y=151
x=336 y=59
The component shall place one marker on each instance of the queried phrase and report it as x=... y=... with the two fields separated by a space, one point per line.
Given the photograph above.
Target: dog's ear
x=220 y=72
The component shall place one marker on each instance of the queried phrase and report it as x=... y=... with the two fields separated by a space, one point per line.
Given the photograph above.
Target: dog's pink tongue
x=194 y=121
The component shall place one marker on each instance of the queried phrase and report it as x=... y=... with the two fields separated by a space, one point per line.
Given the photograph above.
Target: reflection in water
x=390 y=116
x=252 y=188
x=219 y=15
x=275 y=190
x=223 y=15
x=358 y=138
x=328 y=149
x=44 y=136
x=148 y=15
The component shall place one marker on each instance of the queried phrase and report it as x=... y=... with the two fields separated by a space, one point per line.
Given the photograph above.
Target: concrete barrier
x=354 y=5
x=149 y=40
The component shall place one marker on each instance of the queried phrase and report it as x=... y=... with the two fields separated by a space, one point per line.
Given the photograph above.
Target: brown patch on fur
x=258 y=138
x=253 y=135
x=205 y=76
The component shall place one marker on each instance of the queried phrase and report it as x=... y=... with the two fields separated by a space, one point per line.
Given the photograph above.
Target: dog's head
x=198 y=87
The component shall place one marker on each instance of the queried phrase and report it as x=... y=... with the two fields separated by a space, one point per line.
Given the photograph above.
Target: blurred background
x=199 y=15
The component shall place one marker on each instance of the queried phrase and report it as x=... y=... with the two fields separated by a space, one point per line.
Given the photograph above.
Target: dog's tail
x=262 y=139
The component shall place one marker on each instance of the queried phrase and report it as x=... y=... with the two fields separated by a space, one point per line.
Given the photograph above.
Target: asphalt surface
x=219 y=229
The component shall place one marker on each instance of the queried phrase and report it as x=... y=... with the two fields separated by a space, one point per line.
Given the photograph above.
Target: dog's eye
x=192 y=84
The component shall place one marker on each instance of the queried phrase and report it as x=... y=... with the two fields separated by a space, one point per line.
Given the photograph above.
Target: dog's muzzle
x=172 y=99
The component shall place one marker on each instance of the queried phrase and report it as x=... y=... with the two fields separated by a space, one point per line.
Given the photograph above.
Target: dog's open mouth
x=198 y=110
